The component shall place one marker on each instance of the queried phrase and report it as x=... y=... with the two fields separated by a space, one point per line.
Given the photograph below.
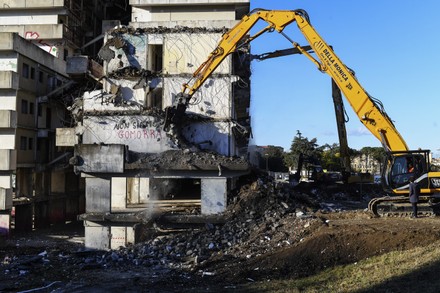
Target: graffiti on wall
x=137 y=128
x=50 y=48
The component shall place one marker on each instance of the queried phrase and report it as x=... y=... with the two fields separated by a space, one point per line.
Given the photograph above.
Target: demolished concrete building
x=131 y=165
x=37 y=186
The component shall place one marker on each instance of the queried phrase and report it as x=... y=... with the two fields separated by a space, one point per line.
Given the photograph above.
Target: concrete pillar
x=213 y=195
x=118 y=193
x=97 y=195
x=5 y=224
x=104 y=237
x=5 y=198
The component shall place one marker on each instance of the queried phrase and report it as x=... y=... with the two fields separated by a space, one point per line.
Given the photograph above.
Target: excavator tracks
x=399 y=206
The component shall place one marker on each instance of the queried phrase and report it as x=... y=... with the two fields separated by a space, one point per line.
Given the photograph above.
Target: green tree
x=274 y=156
x=302 y=145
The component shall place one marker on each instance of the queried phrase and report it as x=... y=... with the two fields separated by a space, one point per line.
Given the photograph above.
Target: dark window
x=24 y=106
x=66 y=54
x=40 y=110
x=40 y=77
x=31 y=108
x=31 y=143
x=25 y=70
x=23 y=143
x=32 y=73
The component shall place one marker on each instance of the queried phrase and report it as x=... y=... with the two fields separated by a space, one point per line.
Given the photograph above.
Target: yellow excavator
x=400 y=163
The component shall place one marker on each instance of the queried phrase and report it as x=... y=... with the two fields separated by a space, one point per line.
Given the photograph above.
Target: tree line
x=328 y=156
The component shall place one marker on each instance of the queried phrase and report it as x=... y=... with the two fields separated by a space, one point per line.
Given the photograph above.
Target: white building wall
x=139 y=133
x=8 y=101
x=184 y=52
x=211 y=100
x=20 y=18
x=8 y=61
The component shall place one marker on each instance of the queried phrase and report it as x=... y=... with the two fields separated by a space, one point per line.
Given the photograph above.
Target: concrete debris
x=186 y=159
x=166 y=30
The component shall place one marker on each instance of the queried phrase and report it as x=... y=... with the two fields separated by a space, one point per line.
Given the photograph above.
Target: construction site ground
x=272 y=232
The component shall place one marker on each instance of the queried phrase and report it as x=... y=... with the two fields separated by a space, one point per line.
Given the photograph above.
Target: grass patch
x=414 y=270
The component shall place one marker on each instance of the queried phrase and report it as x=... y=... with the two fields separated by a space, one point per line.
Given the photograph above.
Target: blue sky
x=393 y=46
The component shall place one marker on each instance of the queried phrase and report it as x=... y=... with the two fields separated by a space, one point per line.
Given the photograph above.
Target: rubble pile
x=187 y=159
x=263 y=218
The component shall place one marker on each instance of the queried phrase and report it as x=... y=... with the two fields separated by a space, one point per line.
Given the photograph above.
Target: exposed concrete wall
x=6 y=181
x=5 y=199
x=11 y=4
x=9 y=80
x=9 y=100
x=7 y=139
x=8 y=119
x=138 y=190
x=35 y=17
x=98 y=195
x=10 y=40
x=66 y=137
x=99 y=158
x=211 y=100
x=101 y=237
x=211 y=136
x=139 y=133
x=118 y=194
x=9 y=159
x=99 y=101
x=8 y=61
x=184 y=52
x=214 y=192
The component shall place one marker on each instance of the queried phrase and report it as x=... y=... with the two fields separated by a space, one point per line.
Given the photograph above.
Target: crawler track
x=399 y=206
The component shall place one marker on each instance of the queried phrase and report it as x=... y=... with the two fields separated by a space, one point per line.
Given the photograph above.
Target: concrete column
x=213 y=195
x=97 y=195
x=118 y=194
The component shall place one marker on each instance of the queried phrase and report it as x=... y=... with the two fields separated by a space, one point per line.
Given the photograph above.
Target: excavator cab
x=400 y=166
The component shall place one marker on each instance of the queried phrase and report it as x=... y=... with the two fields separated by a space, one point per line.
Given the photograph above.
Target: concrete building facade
x=37 y=185
x=135 y=170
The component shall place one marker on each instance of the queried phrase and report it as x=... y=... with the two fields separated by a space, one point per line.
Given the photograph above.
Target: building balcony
x=8 y=119
x=8 y=160
x=9 y=80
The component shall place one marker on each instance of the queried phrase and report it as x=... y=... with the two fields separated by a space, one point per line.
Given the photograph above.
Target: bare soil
x=300 y=244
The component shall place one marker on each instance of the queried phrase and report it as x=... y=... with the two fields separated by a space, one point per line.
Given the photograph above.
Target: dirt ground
x=286 y=234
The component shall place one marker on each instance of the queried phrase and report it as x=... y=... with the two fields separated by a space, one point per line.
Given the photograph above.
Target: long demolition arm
x=367 y=109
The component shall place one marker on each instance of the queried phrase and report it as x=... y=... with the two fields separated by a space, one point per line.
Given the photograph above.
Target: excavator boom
x=395 y=174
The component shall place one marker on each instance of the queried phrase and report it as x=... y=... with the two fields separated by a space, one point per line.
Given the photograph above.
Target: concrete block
x=66 y=137
x=97 y=195
x=8 y=119
x=118 y=193
x=6 y=181
x=213 y=195
x=96 y=236
x=138 y=190
x=121 y=236
x=91 y=158
x=9 y=160
x=5 y=199
x=104 y=237
x=5 y=224
x=140 y=133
